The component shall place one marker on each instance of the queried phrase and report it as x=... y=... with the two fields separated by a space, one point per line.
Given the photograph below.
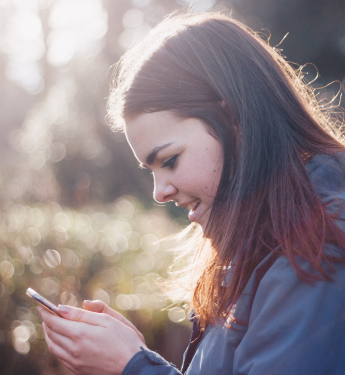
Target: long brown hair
x=268 y=121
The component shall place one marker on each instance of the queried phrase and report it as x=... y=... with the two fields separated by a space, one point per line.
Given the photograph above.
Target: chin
x=203 y=227
x=202 y=221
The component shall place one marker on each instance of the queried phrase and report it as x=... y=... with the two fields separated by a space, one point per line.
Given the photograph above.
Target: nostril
x=165 y=193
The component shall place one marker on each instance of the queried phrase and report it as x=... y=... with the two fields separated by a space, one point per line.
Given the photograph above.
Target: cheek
x=199 y=174
x=206 y=180
x=213 y=178
x=211 y=186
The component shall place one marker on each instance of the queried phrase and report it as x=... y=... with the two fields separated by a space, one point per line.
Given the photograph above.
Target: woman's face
x=186 y=160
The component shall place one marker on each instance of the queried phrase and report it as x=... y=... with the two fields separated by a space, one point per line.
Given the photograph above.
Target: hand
x=101 y=307
x=90 y=343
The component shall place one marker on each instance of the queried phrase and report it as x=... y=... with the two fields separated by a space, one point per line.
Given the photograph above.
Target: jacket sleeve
x=148 y=362
x=294 y=327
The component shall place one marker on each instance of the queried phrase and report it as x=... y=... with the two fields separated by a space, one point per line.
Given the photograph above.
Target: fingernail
x=87 y=300
x=63 y=309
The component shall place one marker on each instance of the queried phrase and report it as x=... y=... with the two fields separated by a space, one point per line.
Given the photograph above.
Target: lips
x=193 y=213
x=192 y=206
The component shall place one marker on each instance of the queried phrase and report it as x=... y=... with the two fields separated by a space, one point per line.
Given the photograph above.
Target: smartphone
x=43 y=302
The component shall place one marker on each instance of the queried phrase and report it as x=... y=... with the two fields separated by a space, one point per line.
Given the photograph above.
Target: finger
x=84 y=316
x=54 y=348
x=64 y=342
x=62 y=326
x=63 y=354
x=101 y=307
x=96 y=306
x=66 y=364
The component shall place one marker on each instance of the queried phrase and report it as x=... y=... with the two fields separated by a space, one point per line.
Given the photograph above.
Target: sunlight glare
x=76 y=26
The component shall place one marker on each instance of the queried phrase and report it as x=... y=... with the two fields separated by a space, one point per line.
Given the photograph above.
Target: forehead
x=151 y=130
x=151 y=127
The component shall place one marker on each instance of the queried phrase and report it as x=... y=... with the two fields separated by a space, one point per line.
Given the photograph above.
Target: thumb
x=101 y=307
x=96 y=306
x=81 y=315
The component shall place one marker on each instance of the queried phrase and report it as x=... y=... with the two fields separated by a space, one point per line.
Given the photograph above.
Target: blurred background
x=77 y=218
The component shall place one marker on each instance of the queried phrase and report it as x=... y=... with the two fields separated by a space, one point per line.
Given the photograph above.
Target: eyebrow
x=152 y=155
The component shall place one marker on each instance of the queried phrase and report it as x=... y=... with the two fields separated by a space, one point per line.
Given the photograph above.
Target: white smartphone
x=43 y=302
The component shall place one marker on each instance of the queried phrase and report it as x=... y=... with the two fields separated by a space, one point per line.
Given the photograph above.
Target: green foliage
x=111 y=253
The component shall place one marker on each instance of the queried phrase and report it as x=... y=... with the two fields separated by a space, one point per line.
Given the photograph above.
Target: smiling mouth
x=193 y=206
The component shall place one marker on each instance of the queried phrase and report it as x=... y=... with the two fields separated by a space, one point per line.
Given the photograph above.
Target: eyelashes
x=170 y=162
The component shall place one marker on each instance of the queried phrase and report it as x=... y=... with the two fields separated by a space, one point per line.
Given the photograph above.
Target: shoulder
x=327 y=173
x=276 y=293
x=281 y=286
x=294 y=327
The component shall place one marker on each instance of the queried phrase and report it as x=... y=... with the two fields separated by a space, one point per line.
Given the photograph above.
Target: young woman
x=232 y=132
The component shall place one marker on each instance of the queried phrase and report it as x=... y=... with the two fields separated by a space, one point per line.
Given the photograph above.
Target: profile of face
x=185 y=159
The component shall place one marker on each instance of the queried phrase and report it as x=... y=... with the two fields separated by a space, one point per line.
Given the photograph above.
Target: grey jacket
x=290 y=327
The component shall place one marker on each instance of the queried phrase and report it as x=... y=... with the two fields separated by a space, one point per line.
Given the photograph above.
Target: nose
x=164 y=191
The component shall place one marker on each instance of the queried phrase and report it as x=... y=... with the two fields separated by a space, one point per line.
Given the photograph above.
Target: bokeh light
x=77 y=219
x=177 y=314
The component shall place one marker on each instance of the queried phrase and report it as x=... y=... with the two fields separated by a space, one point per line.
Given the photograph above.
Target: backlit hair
x=268 y=121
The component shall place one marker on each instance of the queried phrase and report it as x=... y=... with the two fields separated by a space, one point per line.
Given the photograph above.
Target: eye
x=170 y=162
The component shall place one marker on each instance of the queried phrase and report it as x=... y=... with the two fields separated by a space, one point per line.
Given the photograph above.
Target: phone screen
x=43 y=302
